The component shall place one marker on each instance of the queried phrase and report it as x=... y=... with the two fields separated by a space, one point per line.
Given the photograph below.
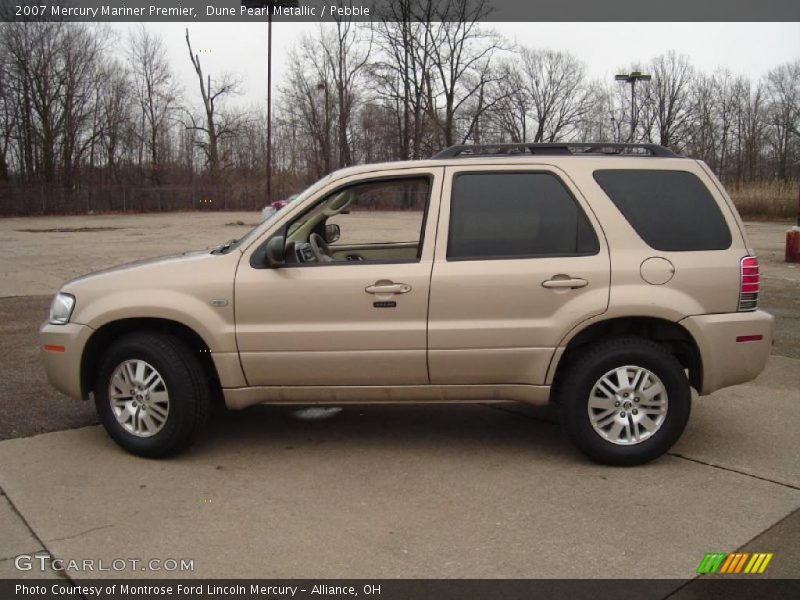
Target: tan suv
x=608 y=278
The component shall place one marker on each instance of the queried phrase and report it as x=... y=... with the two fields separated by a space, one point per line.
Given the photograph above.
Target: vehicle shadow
x=412 y=427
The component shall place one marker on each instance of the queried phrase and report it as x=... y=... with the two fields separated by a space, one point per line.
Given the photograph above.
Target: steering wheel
x=320 y=248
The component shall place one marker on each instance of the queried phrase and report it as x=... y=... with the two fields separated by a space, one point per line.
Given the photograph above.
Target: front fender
x=215 y=325
x=194 y=290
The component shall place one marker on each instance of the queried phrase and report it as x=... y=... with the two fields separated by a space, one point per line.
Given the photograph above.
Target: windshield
x=269 y=221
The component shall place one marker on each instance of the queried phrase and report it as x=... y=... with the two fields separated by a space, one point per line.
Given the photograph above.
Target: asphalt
x=781 y=297
x=28 y=403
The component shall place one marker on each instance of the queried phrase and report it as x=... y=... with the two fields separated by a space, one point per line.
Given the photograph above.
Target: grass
x=768 y=201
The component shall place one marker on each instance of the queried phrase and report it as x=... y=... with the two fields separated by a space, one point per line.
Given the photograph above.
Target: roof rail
x=569 y=149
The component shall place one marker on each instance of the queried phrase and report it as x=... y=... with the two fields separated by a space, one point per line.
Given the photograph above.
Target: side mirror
x=332 y=233
x=276 y=252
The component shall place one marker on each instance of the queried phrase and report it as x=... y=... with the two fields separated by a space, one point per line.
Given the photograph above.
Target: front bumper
x=62 y=347
x=734 y=347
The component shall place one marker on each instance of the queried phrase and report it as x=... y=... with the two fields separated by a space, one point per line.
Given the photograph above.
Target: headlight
x=61 y=308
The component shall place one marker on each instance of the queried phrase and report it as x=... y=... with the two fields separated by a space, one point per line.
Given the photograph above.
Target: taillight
x=749 y=286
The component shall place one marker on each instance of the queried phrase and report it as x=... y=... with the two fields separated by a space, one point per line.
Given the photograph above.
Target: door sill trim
x=239 y=398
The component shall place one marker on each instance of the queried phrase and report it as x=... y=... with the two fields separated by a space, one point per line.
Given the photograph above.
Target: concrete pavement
x=17 y=538
x=417 y=491
x=750 y=428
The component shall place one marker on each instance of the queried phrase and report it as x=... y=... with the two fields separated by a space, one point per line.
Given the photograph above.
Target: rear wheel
x=151 y=394
x=625 y=401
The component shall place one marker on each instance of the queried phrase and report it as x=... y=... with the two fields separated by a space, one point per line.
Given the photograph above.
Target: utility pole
x=632 y=78
x=269 y=107
x=270 y=5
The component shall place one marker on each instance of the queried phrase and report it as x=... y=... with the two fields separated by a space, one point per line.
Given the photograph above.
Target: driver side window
x=379 y=220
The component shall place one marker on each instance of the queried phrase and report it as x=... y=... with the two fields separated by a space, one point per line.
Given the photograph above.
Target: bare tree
x=513 y=110
x=724 y=111
x=556 y=85
x=116 y=113
x=598 y=123
x=702 y=130
x=309 y=101
x=8 y=113
x=82 y=49
x=78 y=121
x=669 y=97
x=34 y=54
x=154 y=91
x=399 y=70
x=783 y=90
x=456 y=47
x=749 y=128
x=545 y=97
x=212 y=127
x=346 y=53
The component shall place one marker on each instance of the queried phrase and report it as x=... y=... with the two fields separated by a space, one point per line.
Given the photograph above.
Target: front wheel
x=625 y=401
x=151 y=394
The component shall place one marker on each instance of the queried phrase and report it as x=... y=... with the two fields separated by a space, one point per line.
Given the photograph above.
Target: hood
x=149 y=272
x=180 y=288
x=138 y=265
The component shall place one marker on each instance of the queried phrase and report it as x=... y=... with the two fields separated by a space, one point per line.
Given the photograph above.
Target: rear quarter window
x=670 y=210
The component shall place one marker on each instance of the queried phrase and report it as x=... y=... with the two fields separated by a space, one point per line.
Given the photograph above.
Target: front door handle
x=565 y=281
x=388 y=287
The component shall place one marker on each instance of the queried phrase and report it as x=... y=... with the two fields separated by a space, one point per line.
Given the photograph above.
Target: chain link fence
x=40 y=199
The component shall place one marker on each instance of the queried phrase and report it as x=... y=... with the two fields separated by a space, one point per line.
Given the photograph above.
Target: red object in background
x=793 y=245
x=793 y=238
x=279 y=204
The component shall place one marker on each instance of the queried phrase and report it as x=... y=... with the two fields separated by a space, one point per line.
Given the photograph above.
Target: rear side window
x=670 y=210
x=516 y=215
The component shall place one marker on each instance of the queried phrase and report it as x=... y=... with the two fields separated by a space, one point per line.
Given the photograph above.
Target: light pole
x=270 y=5
x=632 y=78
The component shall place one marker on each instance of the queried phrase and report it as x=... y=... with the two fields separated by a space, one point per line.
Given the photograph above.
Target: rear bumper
x=734 y=347
x=62 y=347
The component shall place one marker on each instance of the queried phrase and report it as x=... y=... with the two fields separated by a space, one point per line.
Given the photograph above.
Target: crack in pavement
x=673 y=454
x=35 y=536
x=732 y=470
x=80 y=533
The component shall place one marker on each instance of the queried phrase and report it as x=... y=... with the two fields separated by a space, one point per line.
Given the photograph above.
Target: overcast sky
x=745 y=48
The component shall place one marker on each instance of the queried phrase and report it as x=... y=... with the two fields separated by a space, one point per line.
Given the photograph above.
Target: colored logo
x=734 y=563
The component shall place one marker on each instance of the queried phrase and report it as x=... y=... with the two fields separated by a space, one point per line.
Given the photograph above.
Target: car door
x=520 y=260
x=360 y=318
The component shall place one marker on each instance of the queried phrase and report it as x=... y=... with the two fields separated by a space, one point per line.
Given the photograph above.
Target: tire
x=615 y=429
x=148 y=425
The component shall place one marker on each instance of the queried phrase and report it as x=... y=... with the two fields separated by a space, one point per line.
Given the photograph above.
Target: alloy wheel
x=628 y=405
x=139 y=398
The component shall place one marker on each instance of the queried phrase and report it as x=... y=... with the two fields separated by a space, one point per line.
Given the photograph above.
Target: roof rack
x=569 y=149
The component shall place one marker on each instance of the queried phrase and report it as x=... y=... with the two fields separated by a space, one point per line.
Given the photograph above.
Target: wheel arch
x=673 y=336
x=103 y=337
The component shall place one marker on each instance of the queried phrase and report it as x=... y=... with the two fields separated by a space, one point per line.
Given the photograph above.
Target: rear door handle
x=388 y=287
x=565 y=282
